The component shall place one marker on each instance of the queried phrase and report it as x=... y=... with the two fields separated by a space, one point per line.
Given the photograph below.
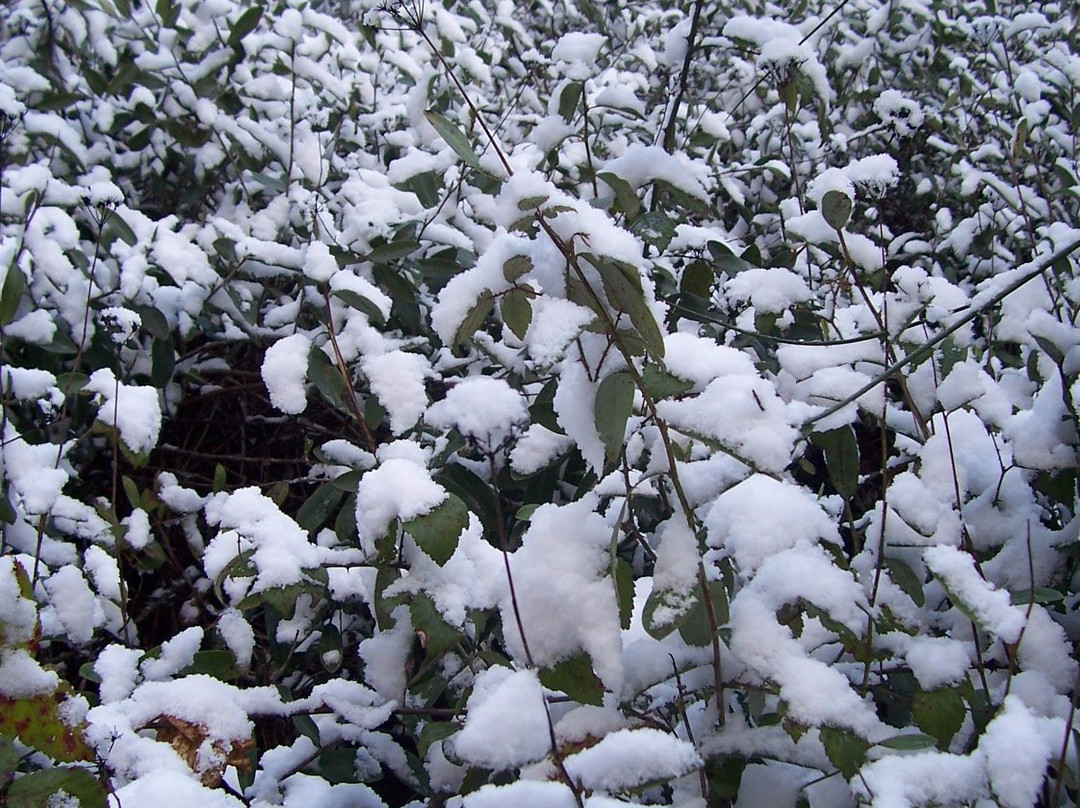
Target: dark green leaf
x=569 y=99
x=11 y=294
x=660 y=384
x=939 y=713
x=438 y=635
x=154 y=322
x=654 y=227
x=846 y=750
x=433 y=732
x=348 y=481
x=516 y=266
x=244 y=25
x=613 y=406
x=697 y=279
x=904 y=577
x=218 y=663
x=454 y=137
x=622 y=284
x=9 y=759
x=38 y=789
x=664 y=612
x=695 y=627
x=162 y=362
x=1042 y=594
x=326 y=377
x=437 y=532
x=624 y=591
x=908 y=743
x=836 y=209
x=362 y=304
x=575 y=678
x=393 y=251
x=626 y=198
x=318 y=507
x=475 y=318
x=842 y=458
x=516 y=311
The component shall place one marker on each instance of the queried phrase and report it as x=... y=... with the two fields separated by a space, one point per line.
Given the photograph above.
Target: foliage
x=460 y=404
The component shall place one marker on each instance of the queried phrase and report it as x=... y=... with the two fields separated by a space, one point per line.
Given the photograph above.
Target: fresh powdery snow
x=284 y=371
x=506 y=724
x=133 y=409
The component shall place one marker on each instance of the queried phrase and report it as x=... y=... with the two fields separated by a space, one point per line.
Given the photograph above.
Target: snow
x=74 y=603
x=555 y=324
x=284 y=372
x=485 y=410
x=537 y=448
x=768 y=290
x=926 y=778
x=761 y=517
x=630 y=758
x=992 y=608
x=249 y=520
x=397 y=379
x=641 y=165
x=564 y=596
x=133 y=409
x=505 y=721
x=399 y=488
x=521 y=794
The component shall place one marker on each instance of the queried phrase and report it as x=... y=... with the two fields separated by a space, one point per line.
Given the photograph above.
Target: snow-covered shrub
x=461 y=404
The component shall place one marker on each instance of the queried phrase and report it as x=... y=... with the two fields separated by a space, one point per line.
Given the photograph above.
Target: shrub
x=560 y=404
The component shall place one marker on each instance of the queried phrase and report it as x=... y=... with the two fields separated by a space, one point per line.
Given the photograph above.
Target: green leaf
x=904 y=577
x=317 y=508
x=438 y=635
x=624 y=591
x=37 y=723
x=622 y=284
x=154 y=322
x=437 y=532
x=244 y=25
x=626 y=198
x=664 y=612
x=613 y=406
x=569 y=99
x=836 y=208
x=475 y=318
x=516 y=311
x=575 y=677
x=1041 y=594
x=655 y=228
x=845 y=749
x=392 y=251
x=357 y=301
x=220 y=479
x=516 y=266
x=841 y=457
x=11 y=294
x=216 y=662
x=697 y=280
x=9 y=759
x=326 y=377
x=939 y=713
x=908 y=743
x=38 y=789
x=433 y=732
x=695 y=627
x=660 y=384
x=454 y=137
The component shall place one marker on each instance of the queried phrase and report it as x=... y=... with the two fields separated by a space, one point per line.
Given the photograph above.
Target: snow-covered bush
x=545 y=404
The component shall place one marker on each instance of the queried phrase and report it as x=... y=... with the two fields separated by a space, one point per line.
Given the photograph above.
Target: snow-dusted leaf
x=846 y=750
x=516 y=311
x=475 y=318
x=454 y=137
x=614 y=404
x=51 y=787
x=574 y=677
x=360 y=303
x=939 y=713
x=908 y=742
x=437 y=532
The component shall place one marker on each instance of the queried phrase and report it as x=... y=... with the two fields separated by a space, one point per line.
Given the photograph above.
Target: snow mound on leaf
x=630 y=758
x=506 y=722
x=133 y=409
x=486 y=410
x=761 y=516
x=284 y=371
